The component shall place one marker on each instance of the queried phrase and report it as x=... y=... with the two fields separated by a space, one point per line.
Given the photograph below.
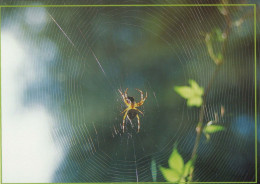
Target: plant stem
x=202 y=111
x=212 y=80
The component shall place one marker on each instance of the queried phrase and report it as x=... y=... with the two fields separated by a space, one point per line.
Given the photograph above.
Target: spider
x=131 y=111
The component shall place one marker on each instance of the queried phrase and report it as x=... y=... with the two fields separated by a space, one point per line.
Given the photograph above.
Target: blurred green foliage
x=215 y=36
x=178 y=171
x=193 y=94
x=210 y=129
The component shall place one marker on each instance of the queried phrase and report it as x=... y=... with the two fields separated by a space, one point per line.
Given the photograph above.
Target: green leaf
x=193 y=94
x=196 y=88
x=185 y=91
x=187 y=168
x=219 y=37
x=176 y=161
x=213 y=129
x=182 y=180
x=153 y=170
x=170 y=175
x=213 y=39
x=194 y=101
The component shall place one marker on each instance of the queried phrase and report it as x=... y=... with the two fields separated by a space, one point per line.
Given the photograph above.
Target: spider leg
x=139 y=111
x=125 y=110
x=142 y=99
x=142 y=94
x=124 y=121
x=130 y=121
x=126 y=92
x=138 y=119
x=124 y=98
x=128 y=118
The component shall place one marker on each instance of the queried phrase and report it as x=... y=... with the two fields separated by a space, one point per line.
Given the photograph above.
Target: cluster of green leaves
x=193 y=93
x=194 y=96
x=178 y=171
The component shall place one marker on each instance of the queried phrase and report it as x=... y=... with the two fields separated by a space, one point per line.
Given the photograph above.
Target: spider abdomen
x=132 y=113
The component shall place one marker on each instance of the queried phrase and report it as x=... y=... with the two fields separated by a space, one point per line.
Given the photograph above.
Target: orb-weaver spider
x=131 y=111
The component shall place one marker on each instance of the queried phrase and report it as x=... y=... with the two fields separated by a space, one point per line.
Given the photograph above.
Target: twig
x=212 y=80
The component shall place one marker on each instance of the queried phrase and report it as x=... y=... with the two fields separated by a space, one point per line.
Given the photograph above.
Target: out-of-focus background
x=61 y=69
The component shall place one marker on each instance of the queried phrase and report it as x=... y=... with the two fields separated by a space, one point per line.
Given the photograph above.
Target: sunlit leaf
x=193 y=94
x=182 y=180
x=154 y=170
x=176 y=161
x=187 y=168
x=194 y=101
x=196 y=88
x=184 y=91
x=213 y=129
x=170 y=175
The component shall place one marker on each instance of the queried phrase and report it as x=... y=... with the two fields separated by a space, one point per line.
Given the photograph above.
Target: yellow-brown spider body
x=131 y=111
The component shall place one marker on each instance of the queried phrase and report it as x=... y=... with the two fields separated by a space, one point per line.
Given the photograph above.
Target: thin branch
x=208 y=88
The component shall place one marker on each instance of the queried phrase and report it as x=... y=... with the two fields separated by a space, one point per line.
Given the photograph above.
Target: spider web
x=103 y=49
